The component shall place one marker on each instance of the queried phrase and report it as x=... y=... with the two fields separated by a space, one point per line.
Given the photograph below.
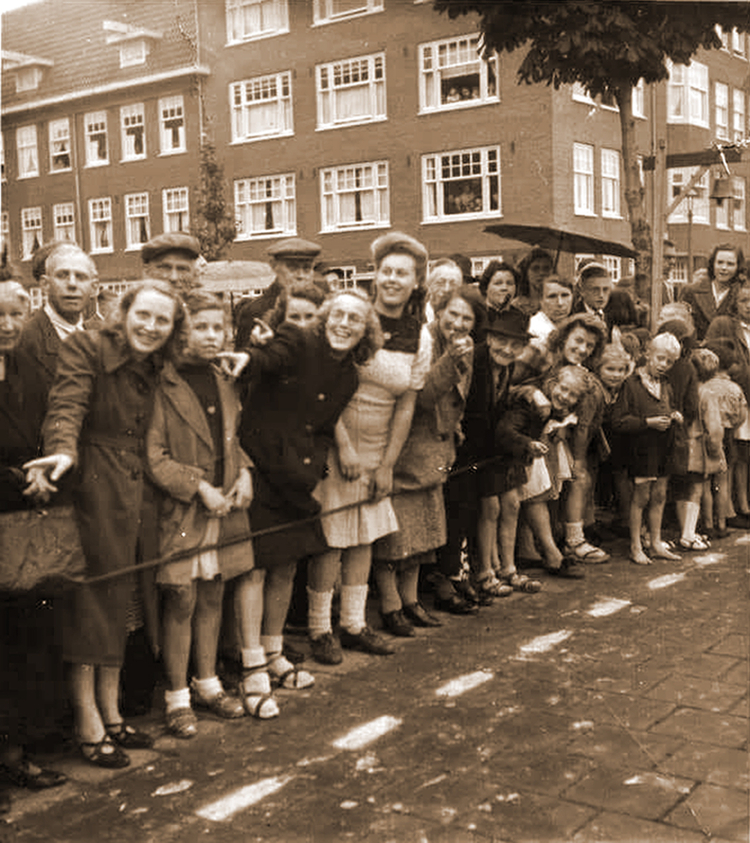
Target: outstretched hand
x=43 y=473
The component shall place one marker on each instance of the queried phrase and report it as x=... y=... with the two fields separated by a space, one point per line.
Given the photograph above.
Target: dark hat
x=293 y=247
x=170 y=241
x=510 y=323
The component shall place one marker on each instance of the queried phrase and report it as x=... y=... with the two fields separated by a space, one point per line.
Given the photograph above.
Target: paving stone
x=621 y=828
x=738 y=674
x=732 y=645
x=741 y=708
x=720 y=729
x=550 y=773
x=707 y=763
x=638 y=792
x=709 y=665
x=720 y=811
x=698 y=692
x=631 y=748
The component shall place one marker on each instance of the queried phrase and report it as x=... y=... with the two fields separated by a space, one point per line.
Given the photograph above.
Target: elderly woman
x=99 y=410
x=716 y=295
x=27 y=648
x=369 y=439
x=444 y=277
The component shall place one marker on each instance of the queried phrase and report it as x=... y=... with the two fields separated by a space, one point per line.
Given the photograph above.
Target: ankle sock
x=353 y=603
x=253 y=657
x=177 y=699
x=574 y=533
x=209 y=688
x=319 y=612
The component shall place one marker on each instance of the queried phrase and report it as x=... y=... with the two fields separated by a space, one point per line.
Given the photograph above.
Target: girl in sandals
x=644 y=413
x=194 y=456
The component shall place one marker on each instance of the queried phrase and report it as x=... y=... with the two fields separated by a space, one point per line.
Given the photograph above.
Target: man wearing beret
x=292 y=261
x=172 y=256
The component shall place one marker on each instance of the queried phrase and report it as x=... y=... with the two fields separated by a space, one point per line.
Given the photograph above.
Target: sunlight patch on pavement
x=544 y=643
x=709 y=559
x=461 y=684
x=367 y=733
x=225 y=808
x=743 y=539
x=607 y=607
x=666 y=580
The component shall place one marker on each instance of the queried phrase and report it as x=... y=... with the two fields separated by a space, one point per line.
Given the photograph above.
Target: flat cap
x=294 y=247
x=170 y=241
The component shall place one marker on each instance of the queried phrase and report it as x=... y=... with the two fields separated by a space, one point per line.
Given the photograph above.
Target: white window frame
x=461 y=165
x=100 y=225
x=583 y=180
x=64 y=221
x=738 y=115
x=639 y=99
x=687 y=94
x=723 y=35
x=324 y=11
x=131 y=117
x=31 y=231
x=360 y=182
x=28 y=78
x=176 y=201
x=738 y=44
x=262 y=90
x=721 y=110
x=26 y=145
x=739 y=211
x=680 y=176
x=359 y=77
x=60 y=145
x=5 y=232
x=273 y=198
x=3 y=173
x=445 y=59
x=171 y=119
x=95 y=125
x=273 y=19
x=481 y=262
x=614 y=267
x=133 y=52
x=136 y=217
x=611 y=184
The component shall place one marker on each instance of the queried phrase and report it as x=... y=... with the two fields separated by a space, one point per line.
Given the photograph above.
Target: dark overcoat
x=41 y=343
x=700 y=297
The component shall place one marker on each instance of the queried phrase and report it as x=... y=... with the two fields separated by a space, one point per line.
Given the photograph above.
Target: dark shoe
x=222 y=705
x=182 y=723
x=367 y=641
x=28 y=774
x=466 y=590
x=419 y=616
x=397 y=624
x=455 y=605
x=5 y=802
x=128 y=737
x=739 y=522
x=326 y=649
x=104 y=753
x=568 y=570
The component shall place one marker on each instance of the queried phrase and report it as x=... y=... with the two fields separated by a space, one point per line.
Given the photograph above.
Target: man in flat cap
x=293 y=262
x=172 y=256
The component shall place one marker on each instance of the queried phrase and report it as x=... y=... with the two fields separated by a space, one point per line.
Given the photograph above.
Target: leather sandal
x=104 y=753
x=299 y=678
x=520 y=582
x=182 y=723
x=490 y=586
x=258 y=703
x=29 y=775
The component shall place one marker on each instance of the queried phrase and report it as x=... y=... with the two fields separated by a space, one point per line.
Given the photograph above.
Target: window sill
x=130 y=248
x=66 y=170
x=612 y=216
x=590 y=214
x=243 y=141
x=128 y=160
x=261 y=36
x=270 y=235
x=93 y=166
x=171 y=152
x=458 y=106
x=102 y=251
x=365 y=122
x=350 y=16
x=494 y=215
x=29 y=176
x=363 y=227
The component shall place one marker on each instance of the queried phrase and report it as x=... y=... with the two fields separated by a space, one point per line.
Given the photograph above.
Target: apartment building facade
x=334 y=120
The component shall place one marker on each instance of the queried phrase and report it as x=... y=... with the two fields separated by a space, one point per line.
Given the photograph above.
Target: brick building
x=334 y=120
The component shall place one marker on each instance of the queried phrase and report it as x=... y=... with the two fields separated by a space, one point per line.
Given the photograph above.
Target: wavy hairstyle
x=587 y=321
x=726 y=247
x=373 y=338
x=497 y=266
x=171 y=347
x=396 y=242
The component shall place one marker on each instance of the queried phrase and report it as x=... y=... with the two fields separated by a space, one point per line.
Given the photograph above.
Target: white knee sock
x=692 y=511
x=353 y=602
x=319 y=612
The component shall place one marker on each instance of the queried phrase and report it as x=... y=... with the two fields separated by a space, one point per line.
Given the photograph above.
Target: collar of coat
x=116 y=352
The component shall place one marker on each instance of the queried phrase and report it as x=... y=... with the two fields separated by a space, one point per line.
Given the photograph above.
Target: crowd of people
x=441 y=434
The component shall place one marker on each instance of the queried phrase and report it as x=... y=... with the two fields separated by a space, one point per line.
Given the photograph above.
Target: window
x=59 y=145
x=172 y=125
x=248 y=19
x=687 y=94
x=639 y=99
x=721 y=110
x=583 y=179
x=738 y=114
x=462 y=184
x=351 y=91
x=100 y=219
x=724 y=35
x=453 y=75
x=610 y=183
x=64 y=219
x=137 y=230
x=31 y=231
x=349 y=280
x=3 y=176
x=28 y=159
x=132 y=122
x=679 y=177
x=580 y=94
x=355 y=196
x=479 y=264
x=265 y=206
x=175 y=202
x=740 y=209
x=326 y=11
x=262 y=107
x=133 y=53
x=5 y=233
x=28 y=78
x=97 y=152
x=614 y=267
x=738 y=43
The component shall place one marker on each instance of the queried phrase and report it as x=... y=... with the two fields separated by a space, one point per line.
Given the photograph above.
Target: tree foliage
x=213 y=224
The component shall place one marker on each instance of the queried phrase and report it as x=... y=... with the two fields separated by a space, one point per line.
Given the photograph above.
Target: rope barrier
x=246 y=537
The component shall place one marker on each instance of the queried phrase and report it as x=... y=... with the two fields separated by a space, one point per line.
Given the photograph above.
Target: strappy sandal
x=128 y=737
x=694 y=544
x=587 y=553
x=520 y=582
x=259 y=703
x=490 y=586
x=281 y=673
x=104 y=753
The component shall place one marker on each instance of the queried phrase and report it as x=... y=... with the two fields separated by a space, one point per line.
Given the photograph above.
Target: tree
x=607 y=47
x=213 y=224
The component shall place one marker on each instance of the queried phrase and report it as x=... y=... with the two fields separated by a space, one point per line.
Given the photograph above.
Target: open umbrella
x=559 y=240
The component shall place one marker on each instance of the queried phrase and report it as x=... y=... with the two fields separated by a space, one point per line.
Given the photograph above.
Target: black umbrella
x=558 y=240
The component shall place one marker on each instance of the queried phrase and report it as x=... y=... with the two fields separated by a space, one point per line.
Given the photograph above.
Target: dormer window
x=27 y=69
x=134 y=42
x=28 y=78
x=133 y=53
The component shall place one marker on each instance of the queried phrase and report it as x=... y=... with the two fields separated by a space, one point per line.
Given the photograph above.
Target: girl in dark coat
x=99 y=411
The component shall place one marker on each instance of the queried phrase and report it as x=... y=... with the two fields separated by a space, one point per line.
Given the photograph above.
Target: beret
x=294 y=247
x=170 y=241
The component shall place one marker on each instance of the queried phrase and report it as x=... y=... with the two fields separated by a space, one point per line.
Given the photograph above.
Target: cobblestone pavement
x=609 y=709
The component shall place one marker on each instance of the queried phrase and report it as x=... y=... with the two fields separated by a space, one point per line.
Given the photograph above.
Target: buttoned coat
x=180 y=453
x=700 y=297
x=98 y=413
x=41 y=342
